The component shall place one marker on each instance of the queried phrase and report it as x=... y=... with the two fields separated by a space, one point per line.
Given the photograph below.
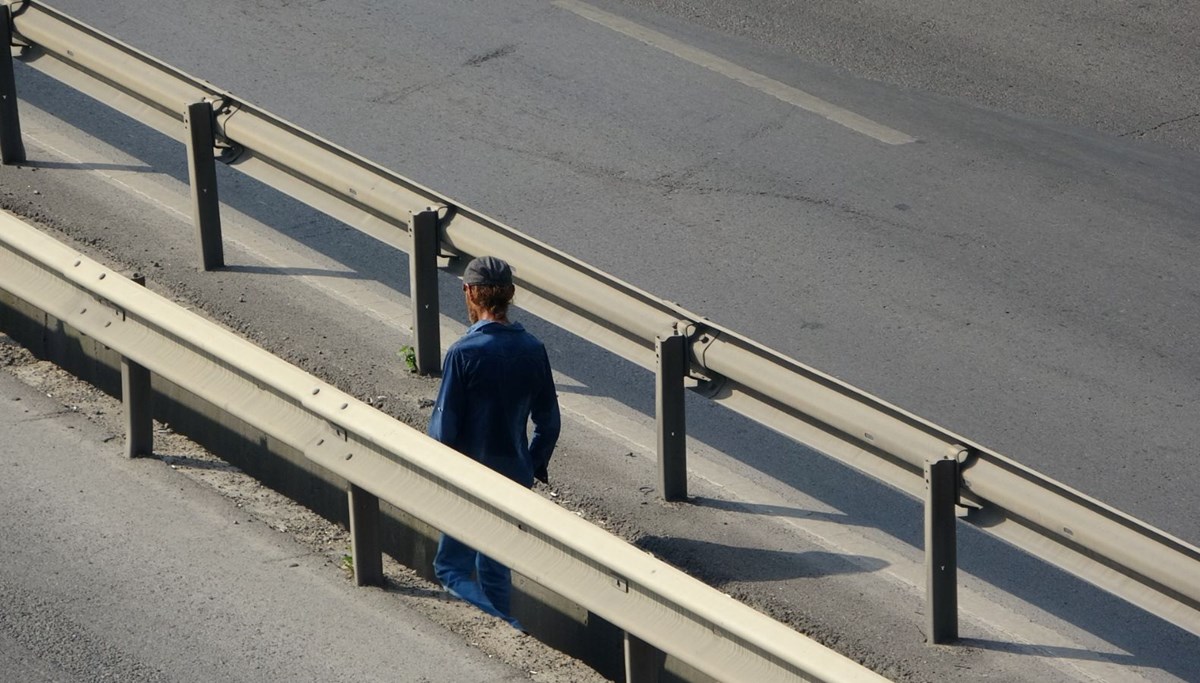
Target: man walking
x=494 y=380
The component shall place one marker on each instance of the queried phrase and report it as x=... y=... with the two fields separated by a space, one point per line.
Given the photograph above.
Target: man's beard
x=472 y=309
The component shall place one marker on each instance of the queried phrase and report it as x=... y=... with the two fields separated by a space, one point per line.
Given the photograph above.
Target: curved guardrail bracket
x=700 y=379
x=15 y=6
x=967 y=505
x=13 y=9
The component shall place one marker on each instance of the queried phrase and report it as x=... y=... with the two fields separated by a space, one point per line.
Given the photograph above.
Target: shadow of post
x=717 y=564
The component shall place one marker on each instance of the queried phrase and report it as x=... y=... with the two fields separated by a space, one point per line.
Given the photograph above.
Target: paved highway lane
x=1126 y=69
x=1027 y=283
x=1021 y=281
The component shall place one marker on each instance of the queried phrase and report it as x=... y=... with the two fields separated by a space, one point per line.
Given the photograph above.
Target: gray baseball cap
x=487 y=270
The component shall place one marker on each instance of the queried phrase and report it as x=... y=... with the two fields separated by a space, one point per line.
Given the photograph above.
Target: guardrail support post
x=643 y=661
x=12 y=150
x=365 y=550
x=671 y=416
x=136 y=397
x=423 y=286
x=202 y=173
x=941 y=550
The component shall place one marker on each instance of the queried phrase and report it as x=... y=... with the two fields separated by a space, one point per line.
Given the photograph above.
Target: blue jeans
x=490 y=591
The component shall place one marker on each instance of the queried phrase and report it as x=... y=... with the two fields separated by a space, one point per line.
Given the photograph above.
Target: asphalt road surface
x=1021 y=272
x=1126 y=69
x=123 y=570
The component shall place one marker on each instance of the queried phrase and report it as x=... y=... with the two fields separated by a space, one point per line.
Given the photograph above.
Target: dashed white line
x=770 y=86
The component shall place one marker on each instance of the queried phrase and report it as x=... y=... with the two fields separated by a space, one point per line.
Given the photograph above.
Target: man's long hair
x=494 y=299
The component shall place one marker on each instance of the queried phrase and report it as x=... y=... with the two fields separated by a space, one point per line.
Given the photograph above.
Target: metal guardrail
x=384 y=459
x=1079 y=534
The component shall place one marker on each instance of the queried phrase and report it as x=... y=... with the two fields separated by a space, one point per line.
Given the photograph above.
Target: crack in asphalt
x=488 y=56
x=1140 y=132
x=47 y=416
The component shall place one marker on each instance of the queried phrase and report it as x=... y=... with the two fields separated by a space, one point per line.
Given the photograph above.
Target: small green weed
x=409 y=355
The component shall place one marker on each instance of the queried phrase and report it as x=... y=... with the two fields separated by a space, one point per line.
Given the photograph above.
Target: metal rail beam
x=1112 y=550
x=382 y=457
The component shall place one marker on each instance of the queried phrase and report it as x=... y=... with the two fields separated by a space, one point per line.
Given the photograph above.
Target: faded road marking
x=742 y=75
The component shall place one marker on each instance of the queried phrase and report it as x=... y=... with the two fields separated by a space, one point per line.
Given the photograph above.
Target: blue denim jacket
x=494 y=379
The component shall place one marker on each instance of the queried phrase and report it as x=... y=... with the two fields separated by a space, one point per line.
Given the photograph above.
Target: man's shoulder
x=526 y=338
x=464 y=345
x=496 y=337
x=475 y=338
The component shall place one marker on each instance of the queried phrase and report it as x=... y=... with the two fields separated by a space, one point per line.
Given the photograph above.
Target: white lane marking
x=782 y=91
